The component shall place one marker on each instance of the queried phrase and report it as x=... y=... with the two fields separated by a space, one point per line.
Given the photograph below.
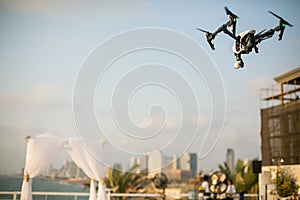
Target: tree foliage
x=226 y=170
x=244 y=179
x=126 y=182
x=285 y=182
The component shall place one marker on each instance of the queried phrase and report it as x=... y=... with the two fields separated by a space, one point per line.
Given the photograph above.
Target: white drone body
x=243 y=46
x=244 y=42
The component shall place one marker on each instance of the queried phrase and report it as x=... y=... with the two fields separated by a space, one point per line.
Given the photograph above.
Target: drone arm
x=279 y=29
x=210 y=39
x=270 y=34
x=282 y=24
x=220 y=29
x=230 y=34
x=211 y=36
x=264 y=36
x=233 y=27
x=224 y=29
x=281 y=34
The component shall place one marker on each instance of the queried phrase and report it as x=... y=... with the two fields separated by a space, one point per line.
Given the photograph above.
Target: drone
x=246 y=41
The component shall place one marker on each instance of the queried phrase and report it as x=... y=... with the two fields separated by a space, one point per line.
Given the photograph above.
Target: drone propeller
x=233 y=19
x=282 y=24
x=199 y=29
x=282 y=21
x=228 y=12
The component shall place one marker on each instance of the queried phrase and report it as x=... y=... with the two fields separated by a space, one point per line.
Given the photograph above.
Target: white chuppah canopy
x=41 y=153
x=86 y=153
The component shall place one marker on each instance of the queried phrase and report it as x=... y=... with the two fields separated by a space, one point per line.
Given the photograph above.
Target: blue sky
x=44 y=43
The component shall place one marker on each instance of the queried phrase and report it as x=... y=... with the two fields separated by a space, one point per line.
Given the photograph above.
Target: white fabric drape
x=101 y=191
x=93 y=186
x=41 y=153
x=87 y=154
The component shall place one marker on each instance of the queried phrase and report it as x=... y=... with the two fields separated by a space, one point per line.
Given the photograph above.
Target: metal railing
x=16 y=195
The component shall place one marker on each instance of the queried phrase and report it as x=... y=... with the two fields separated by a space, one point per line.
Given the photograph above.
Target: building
x=193 y=164
x=280 y=127
x=230 y=160
x=188 y=162
x=176 y=169
x=184 y=162
x=156 y=163
x=141 y=161
x=280 y=117
x=70 y=170
x=183 y=168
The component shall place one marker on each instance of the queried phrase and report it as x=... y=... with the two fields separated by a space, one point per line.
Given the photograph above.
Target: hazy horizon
x=45 y=45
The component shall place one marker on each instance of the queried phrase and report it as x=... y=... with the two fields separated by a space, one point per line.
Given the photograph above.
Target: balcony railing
x=15 y=195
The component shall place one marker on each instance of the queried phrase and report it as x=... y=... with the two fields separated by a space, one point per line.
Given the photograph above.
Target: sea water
x=11 y=184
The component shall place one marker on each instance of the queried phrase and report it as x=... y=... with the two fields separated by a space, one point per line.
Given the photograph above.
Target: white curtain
x=41 y=153
x=87 y=154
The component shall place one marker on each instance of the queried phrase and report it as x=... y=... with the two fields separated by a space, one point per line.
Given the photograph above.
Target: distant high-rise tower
x=155 y=163
x=188 y=161
x=184 y=162
x=193 y=164
x=230 y=160
x=141 y=161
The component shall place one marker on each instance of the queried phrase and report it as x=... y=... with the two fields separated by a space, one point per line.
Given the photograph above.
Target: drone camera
x=238 y=65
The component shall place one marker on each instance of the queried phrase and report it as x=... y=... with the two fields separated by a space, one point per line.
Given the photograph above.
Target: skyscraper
x=193 y=164
x=230 y=160
x=141 y=161
x=188 y=162
x=155 y=163
x=184 y=162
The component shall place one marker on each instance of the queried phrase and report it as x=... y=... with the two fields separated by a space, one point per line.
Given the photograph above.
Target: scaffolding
x=280 y=120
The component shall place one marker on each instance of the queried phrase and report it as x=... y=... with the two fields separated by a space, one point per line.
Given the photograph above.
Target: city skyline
x=44 y=45
x=187 y=162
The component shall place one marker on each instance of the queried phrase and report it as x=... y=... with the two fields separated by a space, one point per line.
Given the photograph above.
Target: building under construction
x=280 y=127
x=280 y=120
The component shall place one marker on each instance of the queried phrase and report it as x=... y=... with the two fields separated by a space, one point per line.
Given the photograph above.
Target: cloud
x=202 y=120
x=39 y=95
x=261 y=82
x=40 y=108
x=171 y=124
x=255 y=85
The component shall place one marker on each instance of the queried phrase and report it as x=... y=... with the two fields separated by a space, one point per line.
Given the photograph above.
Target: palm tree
x=126 y=182
x=245 y=180
x=226 y=170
